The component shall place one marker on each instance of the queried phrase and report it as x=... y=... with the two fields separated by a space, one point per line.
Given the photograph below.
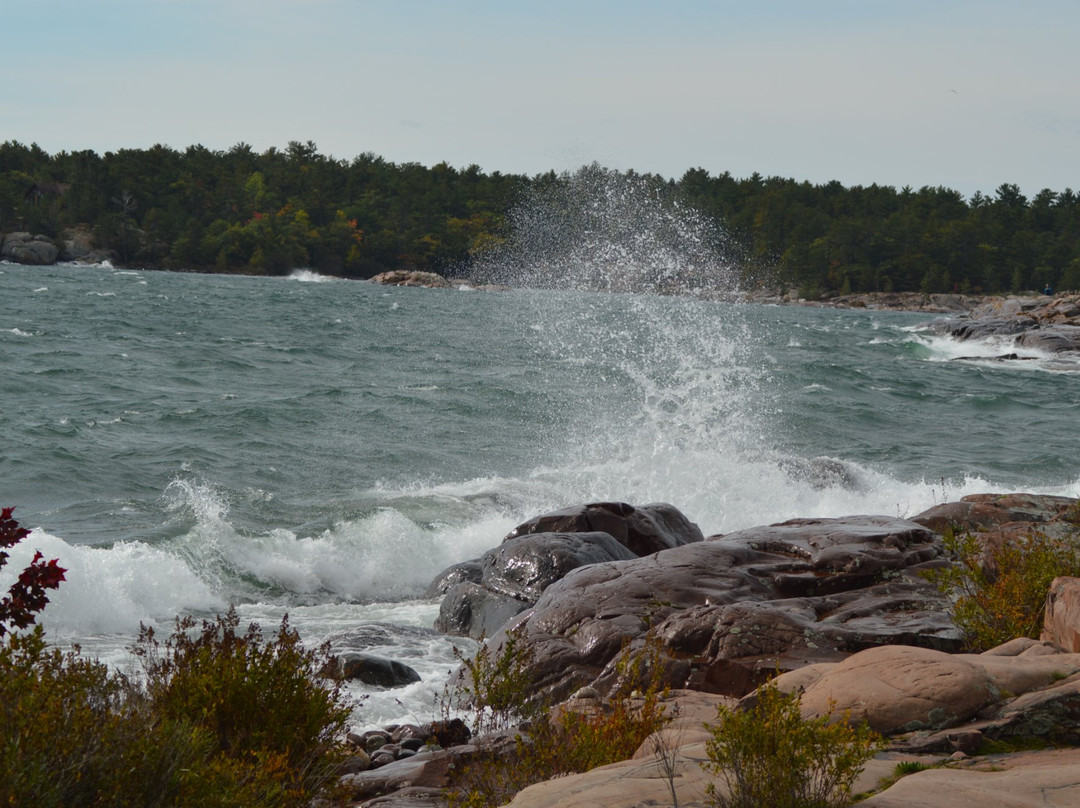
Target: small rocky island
x=1047 y=324
x=838 y=607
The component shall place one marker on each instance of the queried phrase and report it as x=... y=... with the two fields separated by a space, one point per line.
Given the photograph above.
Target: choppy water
x=324 y=447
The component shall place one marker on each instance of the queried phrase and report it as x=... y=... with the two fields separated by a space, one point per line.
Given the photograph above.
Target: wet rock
x=643 y=530
x=824 y=472
x=372 y=670
x=543 y=550
x=524 y=566
x=470 y=610
x=471 y=571
x=514 y=575
x=730 y=610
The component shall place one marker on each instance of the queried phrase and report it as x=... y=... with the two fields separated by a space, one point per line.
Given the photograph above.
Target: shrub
x=26 y=597
x=223 y=719
x=495 y=688
x=769 y=755
x=262 y=703
x=998 y=589
x=556 y=741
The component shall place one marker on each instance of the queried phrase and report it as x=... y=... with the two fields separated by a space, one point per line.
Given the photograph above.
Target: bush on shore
x=552 y=741
x=997 y=588
x=219 y=718
x=770 y=755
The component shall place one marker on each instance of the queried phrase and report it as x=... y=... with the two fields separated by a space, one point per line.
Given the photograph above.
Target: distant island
x=239 y=211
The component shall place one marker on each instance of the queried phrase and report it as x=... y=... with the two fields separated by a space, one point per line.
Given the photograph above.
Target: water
x=323 y=448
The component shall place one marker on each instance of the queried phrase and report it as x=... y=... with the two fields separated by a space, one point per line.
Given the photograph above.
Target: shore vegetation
x=215 y=716
x=240 y=210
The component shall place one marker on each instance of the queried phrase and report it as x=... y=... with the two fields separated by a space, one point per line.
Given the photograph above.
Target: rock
x=1061 y=624
x=409 y=797
x=1009 y=513
x=423 y=770
x=372 y=670
x=471 y=571
x=409 y=277
x=1031 y=779
x=23 y=248
x=470 y=610
x=1000 y=694
x=899 y=689
x=639 y=783
x=524 y=566
x=642 y=530
x=77 y=244
x=728 y=611
x=1044 y=323
x=452 y=732
x=358 y=761
x=543 y=550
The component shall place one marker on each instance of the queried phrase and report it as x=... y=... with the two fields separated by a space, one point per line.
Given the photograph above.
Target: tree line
x=243 y=211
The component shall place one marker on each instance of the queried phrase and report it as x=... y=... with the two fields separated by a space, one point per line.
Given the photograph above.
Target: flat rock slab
x=1028 y=780
x=900 y=689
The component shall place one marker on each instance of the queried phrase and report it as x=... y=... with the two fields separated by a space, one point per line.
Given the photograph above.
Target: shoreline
x=930 y=303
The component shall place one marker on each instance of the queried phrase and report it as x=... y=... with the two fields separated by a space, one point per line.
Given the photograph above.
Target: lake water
x=324 y=447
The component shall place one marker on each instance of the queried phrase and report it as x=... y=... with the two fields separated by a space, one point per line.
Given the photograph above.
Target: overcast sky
x=962 y=93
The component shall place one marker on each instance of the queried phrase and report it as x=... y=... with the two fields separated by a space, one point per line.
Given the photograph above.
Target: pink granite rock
x=1061 y=626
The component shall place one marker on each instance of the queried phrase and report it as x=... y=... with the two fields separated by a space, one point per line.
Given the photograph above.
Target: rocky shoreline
x=838 y=606
x=76 y=245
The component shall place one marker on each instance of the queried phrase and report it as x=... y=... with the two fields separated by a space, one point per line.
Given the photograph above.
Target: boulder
x=514 y=574
x=479 y=596
x=643 y=530
x=467 y=571
x=23 y=248
x=1061 y=623
x=426 y=770
x=1022 y=689
x=524 y=566
x=470 y=610
x=77 y=244
x=898 y=689
x=371 y=670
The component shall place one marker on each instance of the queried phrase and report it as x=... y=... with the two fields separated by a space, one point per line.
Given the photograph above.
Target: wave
x=310 y=276
x=1000 y=351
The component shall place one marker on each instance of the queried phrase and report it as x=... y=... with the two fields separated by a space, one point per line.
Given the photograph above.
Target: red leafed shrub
x=26 y=597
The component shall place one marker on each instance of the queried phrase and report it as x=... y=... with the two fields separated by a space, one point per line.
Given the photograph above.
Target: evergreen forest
x=271 y=212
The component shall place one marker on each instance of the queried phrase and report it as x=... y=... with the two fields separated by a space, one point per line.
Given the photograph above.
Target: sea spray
x=601 y=230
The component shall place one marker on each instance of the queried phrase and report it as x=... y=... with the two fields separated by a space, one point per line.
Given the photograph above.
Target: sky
x=966 y=94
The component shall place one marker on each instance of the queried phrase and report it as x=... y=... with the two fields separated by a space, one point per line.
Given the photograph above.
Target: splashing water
x=600 y=230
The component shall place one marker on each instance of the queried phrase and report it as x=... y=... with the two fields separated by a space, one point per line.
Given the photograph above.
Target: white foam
x=990 y=352
x=309 y=276
x=111 y=589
